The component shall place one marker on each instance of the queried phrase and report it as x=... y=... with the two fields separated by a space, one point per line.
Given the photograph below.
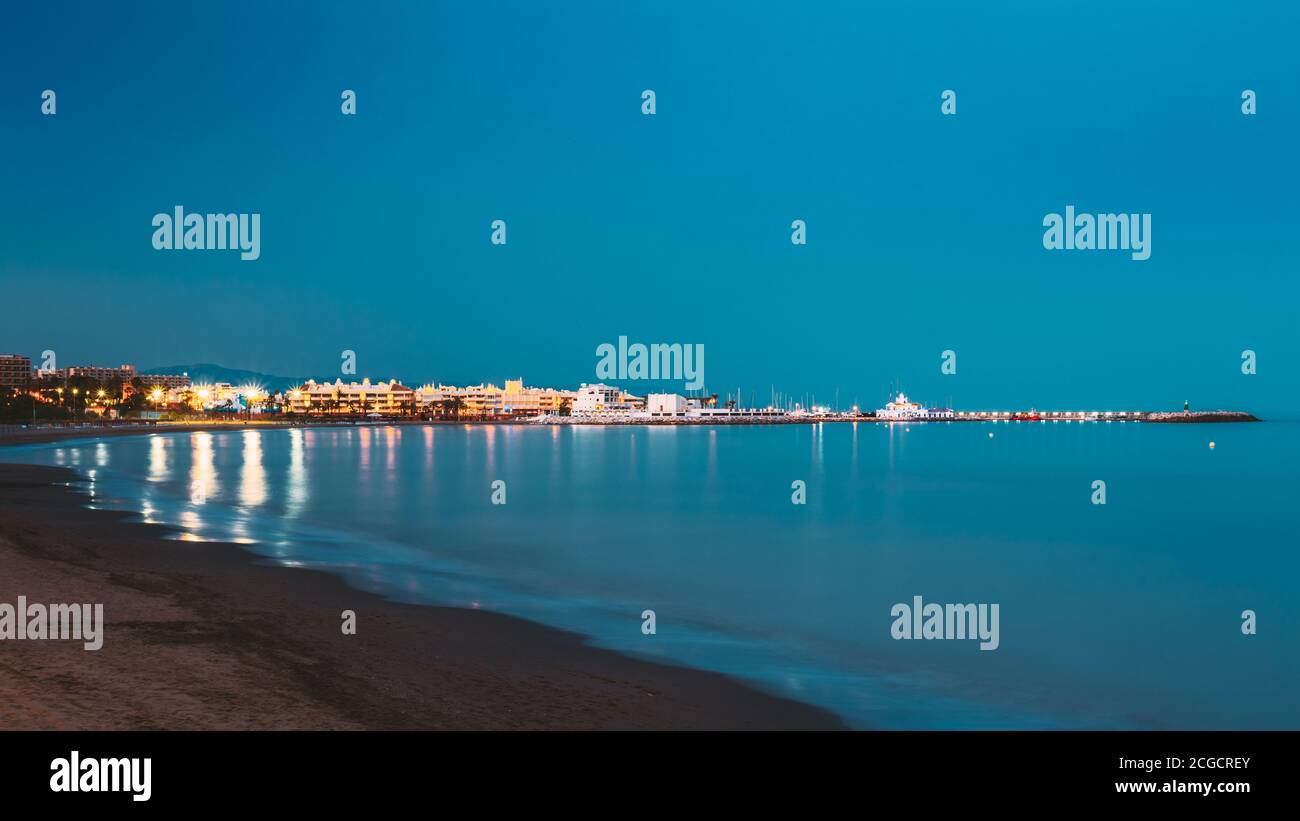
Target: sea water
x=1127 y=614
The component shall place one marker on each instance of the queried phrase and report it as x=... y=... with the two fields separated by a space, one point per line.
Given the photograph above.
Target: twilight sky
x=924 y=231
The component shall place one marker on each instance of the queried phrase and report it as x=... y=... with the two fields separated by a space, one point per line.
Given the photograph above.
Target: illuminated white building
x=603 y=400
x=903 y=409
x=666 y=404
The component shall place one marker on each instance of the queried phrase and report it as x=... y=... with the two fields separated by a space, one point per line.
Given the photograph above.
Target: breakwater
x=1185 y=417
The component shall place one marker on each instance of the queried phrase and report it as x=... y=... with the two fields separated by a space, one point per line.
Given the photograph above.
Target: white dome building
x=902 y=409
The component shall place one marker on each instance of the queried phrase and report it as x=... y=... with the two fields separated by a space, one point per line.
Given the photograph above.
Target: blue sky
x=924 y=231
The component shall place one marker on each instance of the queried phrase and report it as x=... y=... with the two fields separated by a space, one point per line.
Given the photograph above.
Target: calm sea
x=1127 y=614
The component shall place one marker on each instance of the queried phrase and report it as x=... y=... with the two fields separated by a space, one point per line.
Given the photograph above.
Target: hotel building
x=124 y=373
x=168 y=381
x=489 y=400
x=472 y=400
x=15 y=371
x=98 y=373
x=517 y=399
x=388 y=398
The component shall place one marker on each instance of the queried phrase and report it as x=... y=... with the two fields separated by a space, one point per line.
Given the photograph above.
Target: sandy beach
x=206 y=636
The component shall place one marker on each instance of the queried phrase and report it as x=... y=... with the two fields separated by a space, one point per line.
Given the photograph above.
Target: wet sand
x=207 y=636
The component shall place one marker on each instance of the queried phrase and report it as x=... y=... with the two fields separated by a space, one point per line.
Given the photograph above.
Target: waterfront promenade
x=50 y=431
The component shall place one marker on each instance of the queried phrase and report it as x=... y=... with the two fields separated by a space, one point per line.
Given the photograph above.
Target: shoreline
x=205 y=635
x=24 y=433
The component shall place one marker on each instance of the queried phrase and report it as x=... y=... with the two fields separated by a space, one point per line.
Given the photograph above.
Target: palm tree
x=114 y=388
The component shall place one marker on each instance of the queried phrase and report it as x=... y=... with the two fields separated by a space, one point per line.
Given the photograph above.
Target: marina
x=774 y=416
x=671 y=409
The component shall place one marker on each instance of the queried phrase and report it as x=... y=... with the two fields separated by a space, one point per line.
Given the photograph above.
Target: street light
x=251 y=397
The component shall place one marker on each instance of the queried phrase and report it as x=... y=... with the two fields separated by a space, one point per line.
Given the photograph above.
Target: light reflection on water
x=252 y=479
x=203 y=472
x=1109 y=613
x=296 y=494
x=158 y=458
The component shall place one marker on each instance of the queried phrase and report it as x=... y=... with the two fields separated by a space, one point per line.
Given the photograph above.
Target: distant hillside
x=206 y=372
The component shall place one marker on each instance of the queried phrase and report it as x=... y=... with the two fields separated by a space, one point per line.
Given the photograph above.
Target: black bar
x=330 y=770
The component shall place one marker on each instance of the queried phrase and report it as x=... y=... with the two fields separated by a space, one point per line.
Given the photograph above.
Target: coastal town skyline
x=123 y=393
x=922 y=232
x=174 y=386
